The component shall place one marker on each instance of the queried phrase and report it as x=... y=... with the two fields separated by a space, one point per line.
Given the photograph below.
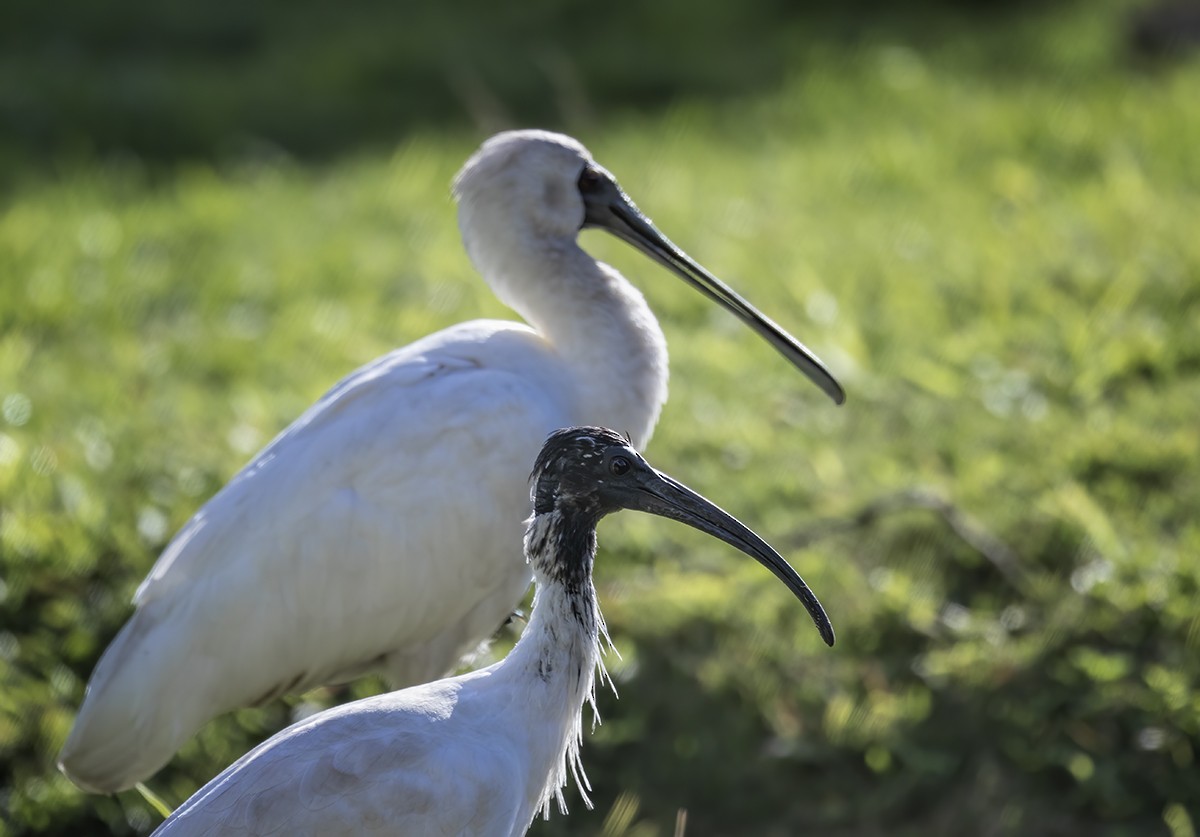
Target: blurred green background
x=984 y=216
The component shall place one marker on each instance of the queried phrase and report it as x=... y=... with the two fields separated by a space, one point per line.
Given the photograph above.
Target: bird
x=378 y=532
x=483 y=752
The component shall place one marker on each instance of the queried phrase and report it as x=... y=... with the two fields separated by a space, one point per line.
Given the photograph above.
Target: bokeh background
x=983 y=215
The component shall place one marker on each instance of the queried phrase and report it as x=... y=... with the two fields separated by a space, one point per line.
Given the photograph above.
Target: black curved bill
x=609 y=208
x=656 y=493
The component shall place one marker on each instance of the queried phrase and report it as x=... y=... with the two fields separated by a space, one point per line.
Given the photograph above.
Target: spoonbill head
x=533 y=191
x=481 y=753
x=379 y=531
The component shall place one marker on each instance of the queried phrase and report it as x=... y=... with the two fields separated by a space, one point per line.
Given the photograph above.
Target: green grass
x=1000 y=265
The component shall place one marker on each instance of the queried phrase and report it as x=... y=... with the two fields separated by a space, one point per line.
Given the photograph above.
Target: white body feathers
x=381 y=529
x=481 y=753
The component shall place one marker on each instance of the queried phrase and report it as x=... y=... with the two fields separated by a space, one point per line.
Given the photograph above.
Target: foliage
x=177 y=79
x=1001 y=266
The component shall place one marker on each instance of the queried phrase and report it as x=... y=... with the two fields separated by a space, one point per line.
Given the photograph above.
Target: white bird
x=483 y=752
x=379 y=530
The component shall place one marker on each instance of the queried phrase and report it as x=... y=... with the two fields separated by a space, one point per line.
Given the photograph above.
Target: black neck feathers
x=562 y=546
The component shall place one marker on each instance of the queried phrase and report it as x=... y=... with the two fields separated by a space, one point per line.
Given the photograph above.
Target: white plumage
x=379 y=531
x=483 y=752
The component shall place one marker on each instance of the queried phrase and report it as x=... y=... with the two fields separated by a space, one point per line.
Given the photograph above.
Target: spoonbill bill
x=379 y=530
x=483 y=752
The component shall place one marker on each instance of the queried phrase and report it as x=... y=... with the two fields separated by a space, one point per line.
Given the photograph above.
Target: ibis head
x=585 y=473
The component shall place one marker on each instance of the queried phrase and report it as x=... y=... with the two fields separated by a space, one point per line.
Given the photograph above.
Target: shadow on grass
x=175 y=79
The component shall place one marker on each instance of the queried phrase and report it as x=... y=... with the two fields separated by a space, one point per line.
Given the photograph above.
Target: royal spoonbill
x=379 y=530
x=483 y=752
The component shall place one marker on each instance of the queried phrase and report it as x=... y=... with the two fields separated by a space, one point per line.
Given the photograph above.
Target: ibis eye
x=589 y=180
x=619 y=466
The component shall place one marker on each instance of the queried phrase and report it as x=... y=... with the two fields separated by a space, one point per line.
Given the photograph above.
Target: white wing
x=383 y=528
x=401 y=763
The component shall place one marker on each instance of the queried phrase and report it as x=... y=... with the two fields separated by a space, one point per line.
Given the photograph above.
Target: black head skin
x=576 y=466
x=585 y=473
x=607 y=207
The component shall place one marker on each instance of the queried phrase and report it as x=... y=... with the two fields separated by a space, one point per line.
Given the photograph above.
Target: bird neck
x=596 y=321
x=559 y=652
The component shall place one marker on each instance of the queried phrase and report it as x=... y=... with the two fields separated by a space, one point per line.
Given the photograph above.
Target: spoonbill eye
x=589 y=180
x=619 y=466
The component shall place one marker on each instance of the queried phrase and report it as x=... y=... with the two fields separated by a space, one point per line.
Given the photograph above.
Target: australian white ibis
x=483 y=752
x=379 y=530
